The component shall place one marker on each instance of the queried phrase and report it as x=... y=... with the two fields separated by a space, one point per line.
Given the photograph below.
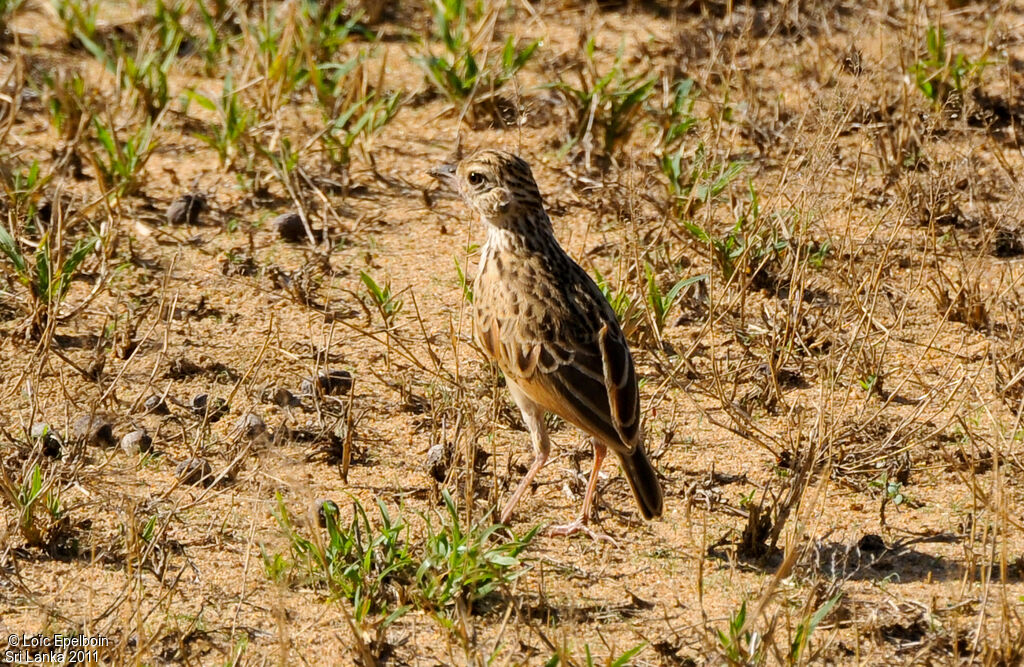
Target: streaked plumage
x=550 y=330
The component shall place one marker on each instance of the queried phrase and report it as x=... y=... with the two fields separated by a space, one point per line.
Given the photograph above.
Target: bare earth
x=835 y=407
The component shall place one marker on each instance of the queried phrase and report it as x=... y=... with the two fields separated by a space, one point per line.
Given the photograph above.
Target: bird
x=545 y=323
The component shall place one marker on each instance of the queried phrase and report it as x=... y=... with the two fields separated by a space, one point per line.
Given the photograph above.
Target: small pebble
x=325 y=506
x=136 y=441
x=438 y=460
x=290 y=228
x=93 y=430
x=198 y=404
x=251 y=425
x=285 y=398
x=213 y=410
x=329 y=382
x=185 y=209
x=195 y=471
x=50 y=438
x=156 y=405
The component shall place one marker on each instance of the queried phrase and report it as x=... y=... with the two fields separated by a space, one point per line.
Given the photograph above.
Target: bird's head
x=498 y=185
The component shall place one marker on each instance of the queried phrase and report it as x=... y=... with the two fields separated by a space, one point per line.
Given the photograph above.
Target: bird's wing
x=589 y=381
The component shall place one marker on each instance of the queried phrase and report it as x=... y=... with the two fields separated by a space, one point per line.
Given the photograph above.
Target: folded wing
x=590 y=382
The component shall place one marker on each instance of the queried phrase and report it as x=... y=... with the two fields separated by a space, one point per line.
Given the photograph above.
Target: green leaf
x=697 y=232
x=201 y=100
x=105 y=138
x=806 y=629
x=708 y=192
x=624 y=659
x=523 y=56
x=41 y=286
x=395 y=615
x=371 y=285
x=674 y=292
x=82 y=250
x=13 y=253
x=37 y=483
x=467 y=287
x=97 y=52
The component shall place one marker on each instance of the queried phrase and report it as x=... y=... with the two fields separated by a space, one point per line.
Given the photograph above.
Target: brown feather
x=547 y=325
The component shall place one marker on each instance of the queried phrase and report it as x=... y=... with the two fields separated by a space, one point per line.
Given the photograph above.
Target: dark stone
x=334 y=382
x=290 y=228
x=185 y=209
x=155 y=405
x=93 y=430
x=871 y=543
x=136 y=441
x=203 y=407
x=195 y=471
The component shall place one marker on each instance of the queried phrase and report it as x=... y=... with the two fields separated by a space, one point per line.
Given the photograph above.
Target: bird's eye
x=476 y=178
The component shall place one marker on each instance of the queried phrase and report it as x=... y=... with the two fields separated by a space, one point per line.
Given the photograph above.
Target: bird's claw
x=580 y=526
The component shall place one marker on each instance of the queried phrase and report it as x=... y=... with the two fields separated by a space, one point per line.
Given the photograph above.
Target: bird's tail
x=643 y=480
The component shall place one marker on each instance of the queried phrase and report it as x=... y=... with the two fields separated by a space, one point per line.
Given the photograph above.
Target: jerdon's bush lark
x=542 y=319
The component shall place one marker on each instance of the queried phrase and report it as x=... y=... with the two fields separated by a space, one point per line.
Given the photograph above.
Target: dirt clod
x=182 y=367
x=438 y=461
x=282 y=397
x=328 y=382
x=871 y=543
x=49 y=437
x=185 y=209
x=290 y=228
x=1008 y=242
x=251 y=425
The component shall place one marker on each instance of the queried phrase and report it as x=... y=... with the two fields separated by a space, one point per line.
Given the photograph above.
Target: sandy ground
x=849 y=371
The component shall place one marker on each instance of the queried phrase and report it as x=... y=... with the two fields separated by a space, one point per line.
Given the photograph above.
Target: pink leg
x=538 y=463
x=533 y=417
x=580 y=524
x=600 y=451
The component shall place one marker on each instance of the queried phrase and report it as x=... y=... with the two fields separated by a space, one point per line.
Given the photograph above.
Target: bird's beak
x=444 y=173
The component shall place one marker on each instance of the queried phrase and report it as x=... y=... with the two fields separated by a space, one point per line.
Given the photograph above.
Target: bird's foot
x=580 y=526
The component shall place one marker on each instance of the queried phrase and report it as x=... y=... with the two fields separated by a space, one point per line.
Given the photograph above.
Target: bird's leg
x=600 y=451
x=580 y=524
x=533 y=416
x=538 y=463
